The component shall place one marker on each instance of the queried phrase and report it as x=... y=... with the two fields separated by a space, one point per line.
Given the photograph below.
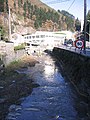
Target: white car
x=69 y=45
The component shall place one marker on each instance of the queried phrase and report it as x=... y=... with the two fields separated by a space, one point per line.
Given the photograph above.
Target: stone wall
x=7 y=53
x=6 y=47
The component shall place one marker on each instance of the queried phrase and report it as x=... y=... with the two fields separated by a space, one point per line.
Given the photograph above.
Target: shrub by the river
x=19 y=47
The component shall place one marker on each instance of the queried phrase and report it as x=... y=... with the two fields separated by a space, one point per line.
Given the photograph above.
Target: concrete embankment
x=77 y=69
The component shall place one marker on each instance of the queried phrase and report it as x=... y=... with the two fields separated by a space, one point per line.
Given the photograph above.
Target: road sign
x=79 y=43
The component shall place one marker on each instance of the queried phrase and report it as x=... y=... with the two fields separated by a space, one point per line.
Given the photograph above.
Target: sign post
x=79 y=44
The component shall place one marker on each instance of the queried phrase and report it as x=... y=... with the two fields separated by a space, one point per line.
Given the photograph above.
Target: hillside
x=27 y=16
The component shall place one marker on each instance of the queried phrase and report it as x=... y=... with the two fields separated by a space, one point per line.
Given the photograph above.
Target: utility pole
x=89 y=29
x=84 y=26
x=89 y=32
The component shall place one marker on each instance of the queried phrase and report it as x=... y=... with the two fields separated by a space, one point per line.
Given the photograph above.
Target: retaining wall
x=77 y=69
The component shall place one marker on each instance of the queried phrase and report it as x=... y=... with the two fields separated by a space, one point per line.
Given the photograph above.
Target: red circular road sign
x=79 y=43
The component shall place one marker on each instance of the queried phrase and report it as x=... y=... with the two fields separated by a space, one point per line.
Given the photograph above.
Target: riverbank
x=15 y=84
x=77 y=69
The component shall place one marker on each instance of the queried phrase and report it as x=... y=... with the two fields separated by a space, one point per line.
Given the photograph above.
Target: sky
x=74 y=7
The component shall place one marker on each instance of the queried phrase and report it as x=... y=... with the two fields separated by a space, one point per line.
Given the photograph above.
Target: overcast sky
x=75 y=7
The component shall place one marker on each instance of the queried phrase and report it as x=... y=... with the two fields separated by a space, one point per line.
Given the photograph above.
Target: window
x=37 y=36
x=33 y=36
x=30 y=37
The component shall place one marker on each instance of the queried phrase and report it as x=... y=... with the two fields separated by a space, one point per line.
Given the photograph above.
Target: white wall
x=17 y=39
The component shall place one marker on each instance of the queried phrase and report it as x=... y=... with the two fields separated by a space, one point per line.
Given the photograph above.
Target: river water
x=53 y=100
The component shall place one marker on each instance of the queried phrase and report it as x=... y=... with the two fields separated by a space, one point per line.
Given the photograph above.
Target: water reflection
x=49 y=69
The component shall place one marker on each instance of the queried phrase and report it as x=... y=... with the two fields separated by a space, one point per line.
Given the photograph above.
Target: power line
x=71 y=5
x=57 y=1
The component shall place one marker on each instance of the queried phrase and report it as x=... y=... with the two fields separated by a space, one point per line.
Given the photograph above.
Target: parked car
x=69 y=45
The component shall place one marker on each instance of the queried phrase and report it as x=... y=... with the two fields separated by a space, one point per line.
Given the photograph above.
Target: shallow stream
x=55 y=99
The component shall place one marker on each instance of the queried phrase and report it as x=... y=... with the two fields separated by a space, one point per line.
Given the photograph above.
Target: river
x=55 y=99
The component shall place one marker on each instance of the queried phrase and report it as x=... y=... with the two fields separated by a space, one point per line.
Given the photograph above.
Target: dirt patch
x=29 y=60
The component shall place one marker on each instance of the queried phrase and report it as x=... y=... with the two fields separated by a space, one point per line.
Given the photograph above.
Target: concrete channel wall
x=77 y=69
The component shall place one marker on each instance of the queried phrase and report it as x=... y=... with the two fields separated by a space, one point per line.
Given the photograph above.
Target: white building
x=46 y=38
x=68 y=34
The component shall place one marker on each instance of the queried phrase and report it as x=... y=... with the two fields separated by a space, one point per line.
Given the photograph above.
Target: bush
x=19 y=47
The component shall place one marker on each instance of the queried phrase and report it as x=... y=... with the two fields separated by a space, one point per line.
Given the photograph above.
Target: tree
x=77 y=25
x=7 y=9
x=69 y=19
x=59 y=11
x=19 y=3
x=88 y=25
x=2 y=32
x=14 y=4
x=29 y=9
x=1 y=5
x=24 y=8
x=88 y=15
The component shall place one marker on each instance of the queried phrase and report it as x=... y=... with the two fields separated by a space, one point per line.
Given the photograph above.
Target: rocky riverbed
x=15 y=83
